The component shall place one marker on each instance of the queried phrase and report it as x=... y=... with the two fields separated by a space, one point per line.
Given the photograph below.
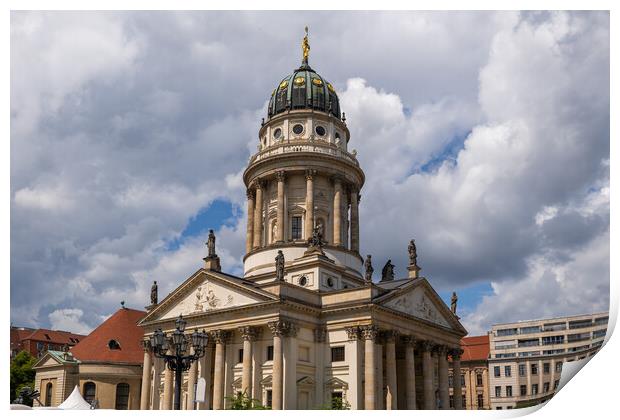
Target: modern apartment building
x=526 y=357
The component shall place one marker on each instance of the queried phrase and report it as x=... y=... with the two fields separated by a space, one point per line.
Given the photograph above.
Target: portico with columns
x=301 y=327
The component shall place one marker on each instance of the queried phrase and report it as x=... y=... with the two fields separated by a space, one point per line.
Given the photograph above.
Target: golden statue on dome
x=305 y=47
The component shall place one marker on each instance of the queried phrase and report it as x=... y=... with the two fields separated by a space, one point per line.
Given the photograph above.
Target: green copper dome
x=304 y=89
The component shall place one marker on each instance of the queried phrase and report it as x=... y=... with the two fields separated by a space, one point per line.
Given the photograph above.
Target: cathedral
x=306 y=325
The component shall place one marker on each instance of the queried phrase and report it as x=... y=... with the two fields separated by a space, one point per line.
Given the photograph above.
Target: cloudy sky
x=484 y=136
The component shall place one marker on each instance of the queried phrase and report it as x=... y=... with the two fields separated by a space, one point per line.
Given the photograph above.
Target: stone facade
x=297 y=338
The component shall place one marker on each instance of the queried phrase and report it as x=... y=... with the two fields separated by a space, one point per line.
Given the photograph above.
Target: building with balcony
x=526 y=357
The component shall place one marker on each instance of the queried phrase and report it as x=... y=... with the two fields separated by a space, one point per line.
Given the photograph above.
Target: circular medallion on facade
x=300 y=81
x=303 y=280
x=317 y=82
x=320 y=130
x=277 y=133
x=298 y=129
x=284 y=84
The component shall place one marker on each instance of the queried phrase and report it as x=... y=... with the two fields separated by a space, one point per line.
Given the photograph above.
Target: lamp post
x=180 y=360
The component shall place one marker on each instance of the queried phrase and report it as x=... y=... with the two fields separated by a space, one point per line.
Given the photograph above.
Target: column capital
x=353 y=333
x=281 y=176
x=390 y=335
x=369 y=332
x=282 y=328
x=427 y=345
x=146 y=345
x=220 y=336
x=249 y=333
x=310 y=173
x=456 y=353
x=250 y=194
x=441 y=350
x=320 y=334
x=408 y=340
x=258 y=184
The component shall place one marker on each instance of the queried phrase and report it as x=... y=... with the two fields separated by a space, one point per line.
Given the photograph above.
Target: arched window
x=114 y=345
x=122 y=396
x=90 y=390
x=49 y=388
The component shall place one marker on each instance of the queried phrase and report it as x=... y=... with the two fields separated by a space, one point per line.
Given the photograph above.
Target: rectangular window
x=480 y=401
x=450 y=381
x=534 y=368
x=509 y=390
x=534 y=389
x=573 y=325
x=498 y=391
x=546 y=387
x=529 y=343
x=240 y=357
x=599 y=333
x=269 y=352
x=556 y=326
x=296 y=227
x=523 y=390
x=507 y=371
x=521 y=370
x=554 y=339
x=269 y=398
x=530 y=330
x=572 y=338
x=336 y=400
x=496 y=371
x=338 y=354
x=462 y=380
x=546 y=367
x=479 y=379
x=451 y=401
x=463 y=401
x=555 y=384
x=601 y=321
x=507 y=331
x=558 y=366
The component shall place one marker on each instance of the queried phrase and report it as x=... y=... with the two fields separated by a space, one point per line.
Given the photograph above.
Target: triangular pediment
x=207 y=291
x=418 y=299
x=336 y=383
x=49 y=360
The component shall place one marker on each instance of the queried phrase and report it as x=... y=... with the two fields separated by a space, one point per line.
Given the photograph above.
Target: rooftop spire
x=305 y=47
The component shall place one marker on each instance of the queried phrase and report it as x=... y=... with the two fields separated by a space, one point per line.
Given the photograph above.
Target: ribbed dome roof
x=304 y=89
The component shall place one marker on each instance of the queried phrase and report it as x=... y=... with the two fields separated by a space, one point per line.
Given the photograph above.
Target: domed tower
x=303 y=182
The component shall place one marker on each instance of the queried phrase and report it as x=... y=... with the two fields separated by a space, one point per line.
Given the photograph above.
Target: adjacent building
x=474 y=375
x=526 y=357
x=306 y=323
x=106 y=365
x=38 y=341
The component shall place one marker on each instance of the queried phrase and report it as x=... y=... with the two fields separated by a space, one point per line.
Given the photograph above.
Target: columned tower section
x=303 y=178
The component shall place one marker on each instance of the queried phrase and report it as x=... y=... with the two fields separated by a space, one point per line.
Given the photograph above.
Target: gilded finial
x=305 y=47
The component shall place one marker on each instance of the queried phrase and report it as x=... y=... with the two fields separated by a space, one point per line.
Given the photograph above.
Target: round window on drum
x=298 y=129
x=320 y=130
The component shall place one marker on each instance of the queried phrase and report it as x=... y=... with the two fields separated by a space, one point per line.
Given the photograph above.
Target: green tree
x=241 y=401
x=22 y=373
x=336 y=403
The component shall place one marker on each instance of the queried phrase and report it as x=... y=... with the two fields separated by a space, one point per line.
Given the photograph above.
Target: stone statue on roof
x=154 y=293
x=369 y=269
x=413 y=254
x=211 y=244
x=387 y=273
x=280 y=266
x=453 y=302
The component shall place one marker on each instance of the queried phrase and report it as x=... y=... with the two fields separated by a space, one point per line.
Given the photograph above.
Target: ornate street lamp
x=180 y=359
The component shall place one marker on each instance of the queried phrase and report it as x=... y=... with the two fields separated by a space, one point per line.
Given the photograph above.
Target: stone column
x=528 y=378
x=309 y=222
x=168 y=382
x=258 y=215
x=219 y=337
x=157 y=366
x=355 y=230
x=427 y=375
x=205 y=372
x=191 y=384
x=390 y=370
x=278 y=329
x=410 y=371
x=456 y=373
x=280 y=211
x=353 y=357
x=380 y=397
x=369 y=333
x=249 y=236
x=337 y=212
x=444 y=390
x=320 y=334
x=146 y=378
x=249 y=335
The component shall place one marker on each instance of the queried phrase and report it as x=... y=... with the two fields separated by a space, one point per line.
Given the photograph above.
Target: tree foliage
x=241 y=401
x=22 y=373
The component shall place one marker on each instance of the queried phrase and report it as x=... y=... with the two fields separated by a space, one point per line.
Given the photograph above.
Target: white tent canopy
x=75 y=401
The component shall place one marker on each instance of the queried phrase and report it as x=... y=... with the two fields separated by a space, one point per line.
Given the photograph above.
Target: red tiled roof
x=58 y=337
x=122 y=327
x=475 y=348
